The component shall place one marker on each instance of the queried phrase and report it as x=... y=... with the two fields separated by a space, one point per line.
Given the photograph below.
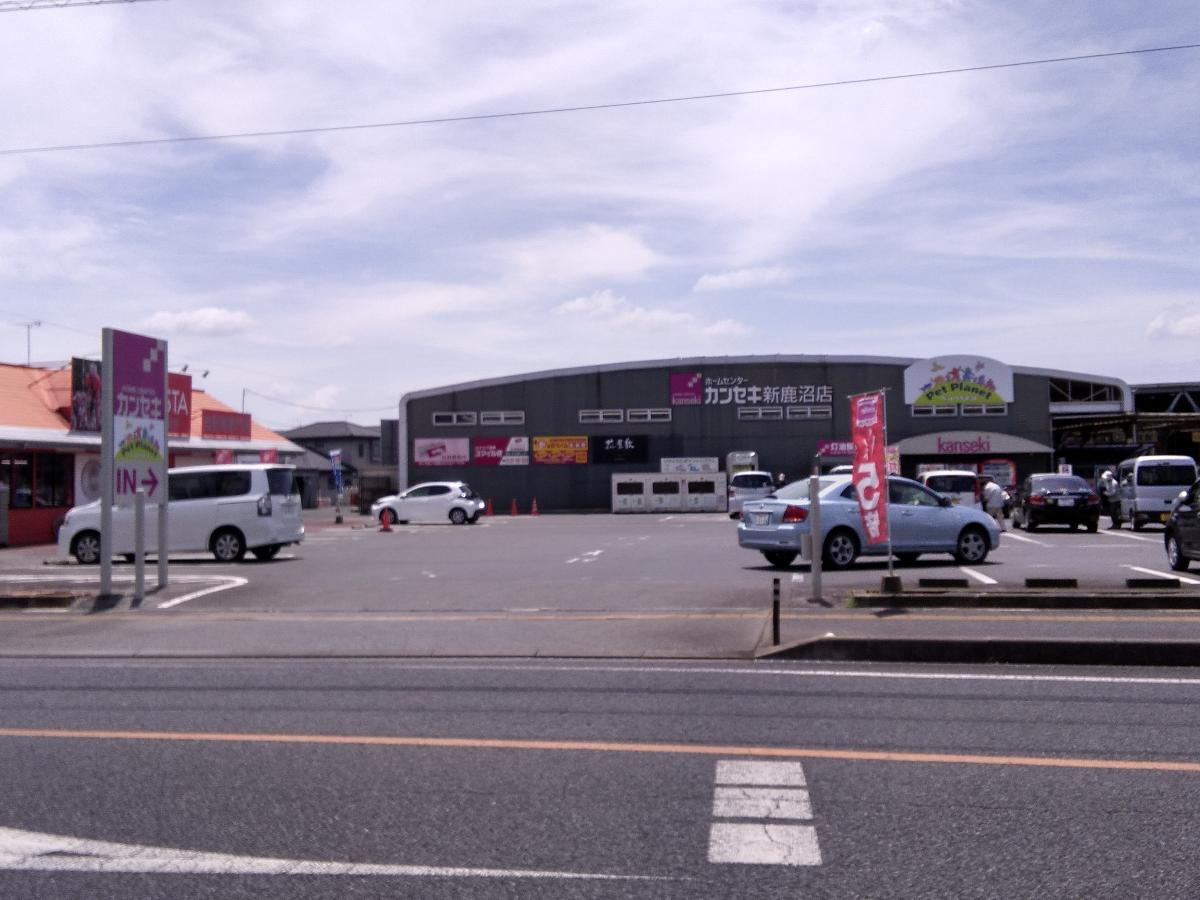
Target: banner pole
x=887 y=489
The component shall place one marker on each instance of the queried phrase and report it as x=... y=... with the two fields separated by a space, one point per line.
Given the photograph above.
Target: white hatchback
x=745 y=486
x=431 y=501
x=224 y=510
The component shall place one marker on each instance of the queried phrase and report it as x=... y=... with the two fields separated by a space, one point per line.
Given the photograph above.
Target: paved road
x=479 y=779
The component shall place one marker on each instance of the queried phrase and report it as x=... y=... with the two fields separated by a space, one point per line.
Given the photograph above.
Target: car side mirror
x=945 y=501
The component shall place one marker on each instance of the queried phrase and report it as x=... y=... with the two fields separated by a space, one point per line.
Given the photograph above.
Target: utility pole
x=29 y=326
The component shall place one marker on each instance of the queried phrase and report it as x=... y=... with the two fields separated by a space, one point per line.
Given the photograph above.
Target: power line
x=480 y=117
x=325 y=409
x=23 y=5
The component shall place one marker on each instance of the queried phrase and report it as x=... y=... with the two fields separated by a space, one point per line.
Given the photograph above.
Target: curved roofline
x=684 y=361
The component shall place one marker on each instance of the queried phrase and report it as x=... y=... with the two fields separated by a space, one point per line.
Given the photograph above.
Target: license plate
x=1066 y=501
x=760 y=518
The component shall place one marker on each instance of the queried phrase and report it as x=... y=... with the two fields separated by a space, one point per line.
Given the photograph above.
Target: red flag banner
x=870 y=482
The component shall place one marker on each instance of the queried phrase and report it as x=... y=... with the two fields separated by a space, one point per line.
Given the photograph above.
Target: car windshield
x=798 y=490
x=1062 y=483
x=952 y=484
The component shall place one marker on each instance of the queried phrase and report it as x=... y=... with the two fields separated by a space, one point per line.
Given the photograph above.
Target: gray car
x=920 y=521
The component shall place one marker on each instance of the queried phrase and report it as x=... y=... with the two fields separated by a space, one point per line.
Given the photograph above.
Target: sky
x=1046 y=215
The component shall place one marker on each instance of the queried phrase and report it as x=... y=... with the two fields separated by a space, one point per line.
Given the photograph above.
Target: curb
x=1169 y=599
x=991 y=650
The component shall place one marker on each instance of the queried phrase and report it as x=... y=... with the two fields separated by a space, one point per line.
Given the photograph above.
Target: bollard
x=775 y=612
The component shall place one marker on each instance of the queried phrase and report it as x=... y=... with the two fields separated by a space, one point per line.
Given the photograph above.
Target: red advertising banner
x=441 y=451
x=216 y=423
x=870 y=480
x=179 y=403
x=501 y=451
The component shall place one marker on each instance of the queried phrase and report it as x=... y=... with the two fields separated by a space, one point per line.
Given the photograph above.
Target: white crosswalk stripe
x=762 y=795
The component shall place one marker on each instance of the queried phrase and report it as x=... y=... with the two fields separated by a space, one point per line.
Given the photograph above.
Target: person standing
x=1106 y=487
x=993 y=502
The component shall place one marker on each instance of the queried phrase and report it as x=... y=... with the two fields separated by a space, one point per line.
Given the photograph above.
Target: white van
x=224 y=510
x=960 y=485
x=1148 y=485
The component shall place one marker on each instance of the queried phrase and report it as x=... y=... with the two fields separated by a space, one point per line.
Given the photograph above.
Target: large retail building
x=561 y=436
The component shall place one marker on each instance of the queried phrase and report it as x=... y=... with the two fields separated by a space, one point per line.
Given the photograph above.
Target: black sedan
x=1182 y=539
x=1050 y=499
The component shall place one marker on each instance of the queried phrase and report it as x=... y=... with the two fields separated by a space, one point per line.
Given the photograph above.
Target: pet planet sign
x=950 y=380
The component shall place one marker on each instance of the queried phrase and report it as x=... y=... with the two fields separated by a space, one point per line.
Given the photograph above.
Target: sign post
x=133 y=439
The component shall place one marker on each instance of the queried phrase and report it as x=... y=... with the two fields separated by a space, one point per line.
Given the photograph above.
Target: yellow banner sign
x=560 y=449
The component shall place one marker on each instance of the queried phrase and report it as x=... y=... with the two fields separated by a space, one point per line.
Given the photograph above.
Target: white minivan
x=1147 y=487
x=224 y=510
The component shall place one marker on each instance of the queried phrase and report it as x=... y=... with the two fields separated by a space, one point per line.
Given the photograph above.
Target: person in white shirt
x=993 y=502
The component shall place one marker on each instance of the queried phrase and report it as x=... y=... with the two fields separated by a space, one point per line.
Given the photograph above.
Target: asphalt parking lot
x=603 y=585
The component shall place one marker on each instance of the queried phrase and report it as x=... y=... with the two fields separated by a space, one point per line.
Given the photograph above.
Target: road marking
x=1025 y=540
x=978 y=576
x=230 y=581
x=1130 y=537
x=424 y=742
x=37 y=851
x=428 y=574
x=1183 y=579
x=764 y=842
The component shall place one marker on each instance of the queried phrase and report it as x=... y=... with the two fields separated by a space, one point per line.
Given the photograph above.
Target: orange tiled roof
x=33 y=397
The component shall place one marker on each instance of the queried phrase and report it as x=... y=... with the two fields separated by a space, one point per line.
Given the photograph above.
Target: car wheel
x=1093 y=526
x=1175 y=558
x=86 y=547
x=458 y=516
x=265 y=553
x=841 y=549
x=228 y=545
x=972 y=547
x=907 y=559
x=780 y=559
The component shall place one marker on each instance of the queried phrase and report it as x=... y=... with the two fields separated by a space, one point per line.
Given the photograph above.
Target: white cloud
x=606 y=310
x=761 y=276
x=208 y=321
x=575 y=256
x=1176 y=322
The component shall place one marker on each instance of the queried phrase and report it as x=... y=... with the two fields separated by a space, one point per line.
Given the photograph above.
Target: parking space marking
x=978 y=576
x=766 y=792
x=1182 y=578
x=590 y=556
x=1130 y=537
x=1025 y=540
x=228 y=581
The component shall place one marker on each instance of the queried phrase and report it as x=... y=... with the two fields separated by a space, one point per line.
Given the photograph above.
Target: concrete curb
x=1168 y=599
x=991 y=650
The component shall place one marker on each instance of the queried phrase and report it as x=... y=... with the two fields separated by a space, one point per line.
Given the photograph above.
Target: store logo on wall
x=687 y=389
x=624 y=448
x=946 y=380
x=560 y=450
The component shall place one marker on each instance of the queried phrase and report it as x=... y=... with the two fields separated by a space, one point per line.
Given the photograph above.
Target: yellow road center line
x=610 y=747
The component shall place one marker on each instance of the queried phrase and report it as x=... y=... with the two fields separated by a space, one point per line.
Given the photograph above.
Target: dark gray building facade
x=559 y=436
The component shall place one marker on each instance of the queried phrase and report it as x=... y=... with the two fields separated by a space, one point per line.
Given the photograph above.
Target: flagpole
x=887 y=490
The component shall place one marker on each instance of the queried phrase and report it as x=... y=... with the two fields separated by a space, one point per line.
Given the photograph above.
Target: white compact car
x=224 y=510
x=431 y=501
x=744 y=486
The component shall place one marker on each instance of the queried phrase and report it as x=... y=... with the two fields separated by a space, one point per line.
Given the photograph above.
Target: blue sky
x=1046 y=216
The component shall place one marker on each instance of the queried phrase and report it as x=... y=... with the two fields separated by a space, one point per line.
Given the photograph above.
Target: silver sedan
x=920 y=520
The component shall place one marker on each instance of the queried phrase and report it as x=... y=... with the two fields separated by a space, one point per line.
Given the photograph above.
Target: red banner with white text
x=870 y=480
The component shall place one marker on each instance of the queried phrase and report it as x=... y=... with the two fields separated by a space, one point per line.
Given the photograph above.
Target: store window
x=37 y=480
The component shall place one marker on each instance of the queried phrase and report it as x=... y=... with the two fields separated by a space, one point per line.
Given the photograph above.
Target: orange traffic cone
x=385 y=520
x=533 y=510
x=514 y=507
x=488 y=511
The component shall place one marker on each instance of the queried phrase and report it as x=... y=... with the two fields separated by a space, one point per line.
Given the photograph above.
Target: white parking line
x=1130 y=537
x=978 y=576
x=1182 y=578
x=230 y=581
x=1024 y=540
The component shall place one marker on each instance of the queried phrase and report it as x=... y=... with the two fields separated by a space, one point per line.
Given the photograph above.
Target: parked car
x=1182 y=538
x=920 y=521
x=962 y=486
x=1051 y=499
x=745 y=486
x=431 y=501
x=225 y=510
x=1147 y=486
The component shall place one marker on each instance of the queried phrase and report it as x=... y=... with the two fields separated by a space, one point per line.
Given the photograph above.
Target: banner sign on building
x=948 y=380
x=689 y=465
x=222 y=457
x=179 y=403
x=870 y=480
x=695 y=389
x=501 y=451
x=441 y=451
x=835 y=448
x=85 y=394
x=218 y=423
x=561 y=449
x=617 y=449
x=139 y=413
